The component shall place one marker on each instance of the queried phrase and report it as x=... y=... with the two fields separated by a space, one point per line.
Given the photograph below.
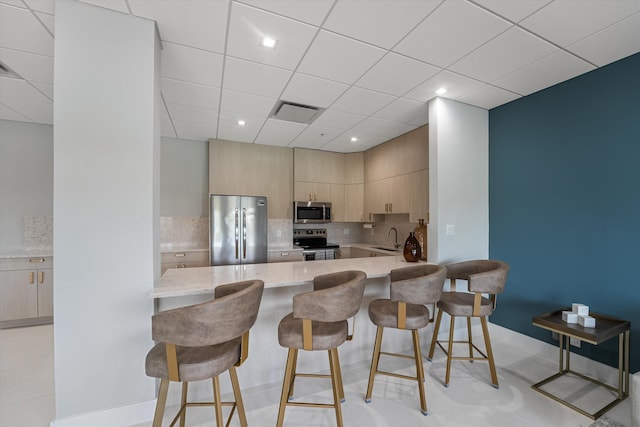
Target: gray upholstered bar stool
x=484 y=277
x=319 y=322
x=201 y=342
x=411 y=289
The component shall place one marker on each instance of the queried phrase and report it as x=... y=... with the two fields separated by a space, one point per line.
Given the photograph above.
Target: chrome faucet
x=396 y=245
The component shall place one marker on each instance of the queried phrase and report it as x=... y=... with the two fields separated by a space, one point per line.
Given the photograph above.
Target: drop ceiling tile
x=35 y=111
x=251 y=77
x=309 y=11
x=382 y=23
x=342 y=143
x=338 y=58
x=553 y=69
x=229 y=129
x=383 y=77
x=611 y=44
x=381 y=127
x=15 y=3
x=313 y=91
x=508 y=52
x=197 y=95
x=7 y=113
x=246 y=103
x=336 y=119
x=49 y=21
x=46 y=6
x=405 y=111
x=315 y=137
x=117 y=5
x=194 y=131
x=489 y=97
x=455 y=84
x=513 y=10
x=248 y=26
x=362 y=101
x=279 y=132
x=29 y=66
x=45 y=88
x=20 y=30
x=20 y=89
x=566 y=22
x=450 y=32
x=191 y=65
x=190 y=114
x=200 y=24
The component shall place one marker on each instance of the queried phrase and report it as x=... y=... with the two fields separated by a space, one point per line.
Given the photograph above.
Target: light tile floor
x=27 y=392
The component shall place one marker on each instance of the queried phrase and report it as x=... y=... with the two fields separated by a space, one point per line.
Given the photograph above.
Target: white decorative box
x=587 y=321
x=580 y=309
x=570 y=317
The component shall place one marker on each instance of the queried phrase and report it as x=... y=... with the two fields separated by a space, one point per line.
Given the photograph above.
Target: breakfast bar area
x=266 y=361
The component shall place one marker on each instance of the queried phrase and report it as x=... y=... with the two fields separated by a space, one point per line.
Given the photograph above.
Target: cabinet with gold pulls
x=184 y=259
x=26 y=291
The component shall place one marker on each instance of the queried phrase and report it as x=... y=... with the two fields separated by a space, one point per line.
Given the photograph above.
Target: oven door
x=309 y=255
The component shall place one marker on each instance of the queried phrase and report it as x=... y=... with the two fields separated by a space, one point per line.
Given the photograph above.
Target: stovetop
x=312 y=238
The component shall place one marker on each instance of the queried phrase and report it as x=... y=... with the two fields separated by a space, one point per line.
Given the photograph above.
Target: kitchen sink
x=386 y=249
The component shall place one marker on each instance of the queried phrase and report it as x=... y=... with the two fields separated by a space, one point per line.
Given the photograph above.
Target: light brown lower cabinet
x=285 y=256
x=26 y=291
x=185 y=259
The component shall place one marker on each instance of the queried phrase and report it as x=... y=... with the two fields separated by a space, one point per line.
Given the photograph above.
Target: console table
x=606 y=328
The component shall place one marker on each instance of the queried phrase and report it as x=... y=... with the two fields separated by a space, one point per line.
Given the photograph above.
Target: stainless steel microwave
x=311 y=212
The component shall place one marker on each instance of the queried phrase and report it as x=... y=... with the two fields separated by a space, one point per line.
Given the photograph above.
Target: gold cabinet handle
x=310 y=198
x=180 y=255
x=41 y=277
x=31 y=277
x=39 y=260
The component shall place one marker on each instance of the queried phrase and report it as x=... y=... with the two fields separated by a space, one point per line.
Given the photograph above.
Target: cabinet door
x=45 y=292
x=18 y=295
x=354 y=202
x=337 y=203
x=420 y=196
x=376 y=196
x=400 y=194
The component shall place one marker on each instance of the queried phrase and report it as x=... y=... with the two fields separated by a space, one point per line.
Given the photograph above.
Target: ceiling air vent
x=292 y=112
x=8 y=72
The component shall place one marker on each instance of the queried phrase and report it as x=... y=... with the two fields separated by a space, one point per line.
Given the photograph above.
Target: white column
x=458 y=181
x=106 y=210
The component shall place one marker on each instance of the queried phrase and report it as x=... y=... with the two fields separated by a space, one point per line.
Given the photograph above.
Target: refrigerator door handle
x=237 y=236
x=244 y=233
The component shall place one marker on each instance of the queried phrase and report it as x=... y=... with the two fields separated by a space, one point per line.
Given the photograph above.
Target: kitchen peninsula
x=184 y=286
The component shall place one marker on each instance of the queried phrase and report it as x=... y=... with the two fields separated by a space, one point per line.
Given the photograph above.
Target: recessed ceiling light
x=354 y=139
x=241 y=123
x=269 y=42
x=441 y=91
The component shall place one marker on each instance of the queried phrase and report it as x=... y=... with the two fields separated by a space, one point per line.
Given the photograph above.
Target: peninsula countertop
x=202 y=280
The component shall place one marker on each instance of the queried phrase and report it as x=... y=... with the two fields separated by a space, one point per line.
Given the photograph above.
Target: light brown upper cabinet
x=396 y=176
x=254 y=170
x=323 y=176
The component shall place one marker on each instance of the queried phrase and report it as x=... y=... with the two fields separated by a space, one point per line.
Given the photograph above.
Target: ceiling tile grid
x=372 y=64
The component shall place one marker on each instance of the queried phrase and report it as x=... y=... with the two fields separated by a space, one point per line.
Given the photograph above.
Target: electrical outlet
x=346 y=231
x=574 y=342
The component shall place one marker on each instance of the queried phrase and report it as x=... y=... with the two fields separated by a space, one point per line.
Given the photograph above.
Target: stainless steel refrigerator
x=237 y=229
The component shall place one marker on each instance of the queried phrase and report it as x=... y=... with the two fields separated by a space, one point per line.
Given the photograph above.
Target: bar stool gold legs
x=289 y=381
x=472 y=347
x=417 y=356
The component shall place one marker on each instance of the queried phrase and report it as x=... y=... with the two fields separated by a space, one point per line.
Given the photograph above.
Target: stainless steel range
x=313 y=241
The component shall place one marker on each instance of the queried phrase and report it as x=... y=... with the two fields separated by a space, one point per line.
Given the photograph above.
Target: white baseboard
x=121 y=416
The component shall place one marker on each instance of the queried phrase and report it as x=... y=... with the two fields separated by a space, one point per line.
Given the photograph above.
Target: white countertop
x=202 y=280
x=36 y=253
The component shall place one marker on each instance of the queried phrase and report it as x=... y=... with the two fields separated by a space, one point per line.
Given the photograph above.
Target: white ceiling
x=373 y=65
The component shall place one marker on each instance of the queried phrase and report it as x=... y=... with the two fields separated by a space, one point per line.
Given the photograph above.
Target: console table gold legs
x=564 y=368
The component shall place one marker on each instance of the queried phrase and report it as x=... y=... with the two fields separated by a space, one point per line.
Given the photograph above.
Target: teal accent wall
x=564 y=202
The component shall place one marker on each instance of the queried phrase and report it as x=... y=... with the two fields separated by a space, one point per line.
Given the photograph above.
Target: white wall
x=185 y=178
x=26 y=178
x=106 y=212
x=458 y=181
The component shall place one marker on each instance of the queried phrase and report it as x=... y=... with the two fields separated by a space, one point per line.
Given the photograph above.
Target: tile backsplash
x=184 y=233
x=37 y=233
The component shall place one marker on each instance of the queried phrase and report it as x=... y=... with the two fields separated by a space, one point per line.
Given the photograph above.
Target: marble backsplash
x=179 y=233
x=37 y=233
x=193 y=232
